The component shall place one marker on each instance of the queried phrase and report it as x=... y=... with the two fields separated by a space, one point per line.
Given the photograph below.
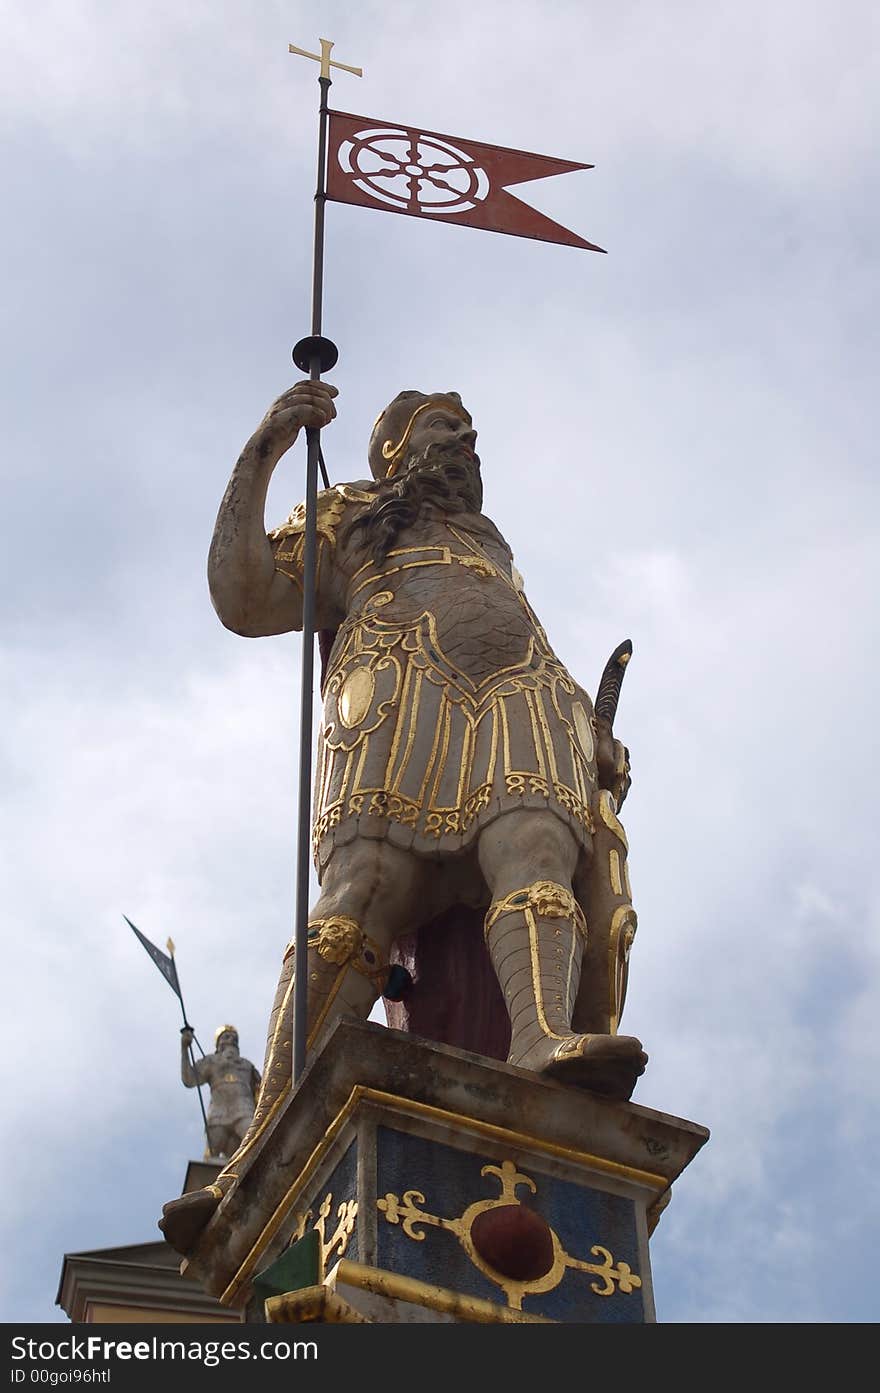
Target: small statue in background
x=234 y=1085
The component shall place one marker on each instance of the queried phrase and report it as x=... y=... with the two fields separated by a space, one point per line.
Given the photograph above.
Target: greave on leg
x=346 y=973
x=536 y=938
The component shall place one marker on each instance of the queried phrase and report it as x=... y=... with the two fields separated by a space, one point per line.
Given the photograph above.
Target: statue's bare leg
x=535 y=933
x=218 y=1141
x=238 y=1132
x=368 y=896
x=370 y=893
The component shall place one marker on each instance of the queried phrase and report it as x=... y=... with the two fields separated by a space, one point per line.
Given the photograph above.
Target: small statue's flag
x=165 y=964
x=403 y=169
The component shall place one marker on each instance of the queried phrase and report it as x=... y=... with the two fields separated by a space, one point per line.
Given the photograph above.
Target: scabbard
x=611 y=925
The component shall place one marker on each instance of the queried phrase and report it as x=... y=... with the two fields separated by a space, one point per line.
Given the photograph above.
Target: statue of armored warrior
x=234 y=1084
x=459 y=762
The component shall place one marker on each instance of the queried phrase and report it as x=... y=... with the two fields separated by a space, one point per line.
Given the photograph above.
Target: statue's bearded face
x=440 y=432
x=227 y=1044
x=440 y=471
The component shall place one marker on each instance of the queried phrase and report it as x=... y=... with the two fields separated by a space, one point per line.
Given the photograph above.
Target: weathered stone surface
x=384 y=1128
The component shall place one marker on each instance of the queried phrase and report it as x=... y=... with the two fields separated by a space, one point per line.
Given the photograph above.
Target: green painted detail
x=297 y=1267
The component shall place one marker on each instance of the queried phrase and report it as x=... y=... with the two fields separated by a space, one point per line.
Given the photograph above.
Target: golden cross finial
x=324 y=58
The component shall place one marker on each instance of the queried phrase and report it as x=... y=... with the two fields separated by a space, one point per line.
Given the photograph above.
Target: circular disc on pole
x=315 y=345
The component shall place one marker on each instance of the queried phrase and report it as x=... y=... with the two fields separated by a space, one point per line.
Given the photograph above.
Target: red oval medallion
x=514 y=1240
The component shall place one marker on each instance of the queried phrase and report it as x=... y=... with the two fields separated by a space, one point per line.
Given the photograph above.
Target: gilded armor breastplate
x=444 y=704
x=482 y=623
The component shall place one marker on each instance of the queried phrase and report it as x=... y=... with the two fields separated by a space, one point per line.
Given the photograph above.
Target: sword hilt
x=611 y=682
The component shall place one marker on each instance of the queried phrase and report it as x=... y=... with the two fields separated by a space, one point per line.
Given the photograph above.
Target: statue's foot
x=605 y=1064
x=184 y=1219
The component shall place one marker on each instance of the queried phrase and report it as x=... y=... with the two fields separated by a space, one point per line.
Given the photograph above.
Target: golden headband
x=394 y=453
x=224 y=1030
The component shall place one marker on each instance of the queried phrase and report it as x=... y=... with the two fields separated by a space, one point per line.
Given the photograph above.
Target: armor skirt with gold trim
x=415 y=751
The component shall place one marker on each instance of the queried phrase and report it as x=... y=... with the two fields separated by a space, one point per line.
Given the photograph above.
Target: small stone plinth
x=420 y=1182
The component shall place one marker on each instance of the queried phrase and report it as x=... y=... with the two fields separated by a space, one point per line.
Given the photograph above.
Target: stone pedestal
x=406 y=1181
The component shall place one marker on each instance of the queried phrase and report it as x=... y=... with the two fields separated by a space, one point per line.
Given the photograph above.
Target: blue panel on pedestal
x=450 y=1181
x=341 y=1185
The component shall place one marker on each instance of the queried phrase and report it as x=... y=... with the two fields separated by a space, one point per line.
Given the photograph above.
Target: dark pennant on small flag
x=163 y=962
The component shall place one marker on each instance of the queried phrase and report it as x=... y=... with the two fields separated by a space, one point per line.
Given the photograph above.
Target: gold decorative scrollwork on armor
x=360 y=693
x=380 y=599
x=477 y=560
x=608 y=814
x=474 y=805
x=622 y=773
x=574 y=805
x=478 y=564
x=614 y=871
x=546 y=898
x=471 y=557
x=355 y=696
x=337 y=940
x=411 y=738
x=408 y=1211
x=622 y=932
x=583 y=730
x=331 y=504
x=402 y=810
x=342 y=941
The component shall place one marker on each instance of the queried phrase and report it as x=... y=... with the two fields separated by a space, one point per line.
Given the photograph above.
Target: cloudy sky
x=676 y=441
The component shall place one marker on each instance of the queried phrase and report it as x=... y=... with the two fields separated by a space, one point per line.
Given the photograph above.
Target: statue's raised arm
x=250 y=595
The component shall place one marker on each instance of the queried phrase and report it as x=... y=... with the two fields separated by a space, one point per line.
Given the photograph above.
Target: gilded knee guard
x=346 y=972
x=346 y=968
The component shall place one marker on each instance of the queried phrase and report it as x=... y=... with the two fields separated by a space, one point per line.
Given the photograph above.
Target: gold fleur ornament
x=407 y=1211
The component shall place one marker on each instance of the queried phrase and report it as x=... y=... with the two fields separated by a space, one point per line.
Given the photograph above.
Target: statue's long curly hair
x=447 y=478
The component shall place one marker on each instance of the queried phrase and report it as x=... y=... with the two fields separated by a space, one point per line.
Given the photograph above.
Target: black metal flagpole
x=186 y=1026
x=314 y=355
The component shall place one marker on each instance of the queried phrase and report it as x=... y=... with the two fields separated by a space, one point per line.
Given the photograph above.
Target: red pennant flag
x=403 y=169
